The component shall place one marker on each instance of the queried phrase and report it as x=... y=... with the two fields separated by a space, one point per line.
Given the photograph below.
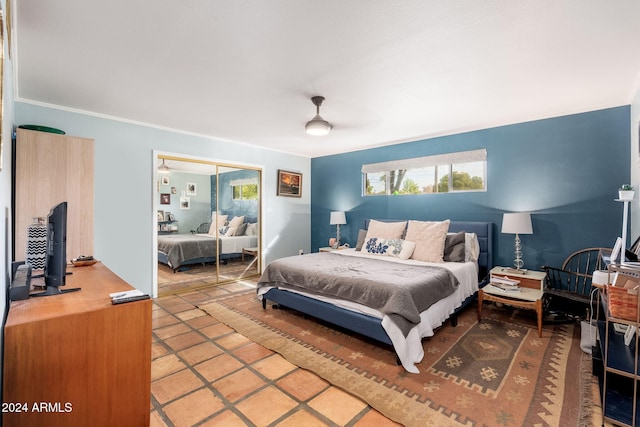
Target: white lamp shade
x=517 y=223
x=337 y=218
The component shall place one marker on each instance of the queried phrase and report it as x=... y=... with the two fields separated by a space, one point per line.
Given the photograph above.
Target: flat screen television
x=55 y=269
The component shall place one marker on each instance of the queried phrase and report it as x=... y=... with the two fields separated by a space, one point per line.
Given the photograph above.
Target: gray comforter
x=180 y=248
x=400 y=291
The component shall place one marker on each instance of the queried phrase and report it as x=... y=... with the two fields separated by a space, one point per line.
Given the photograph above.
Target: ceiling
x=391 y=71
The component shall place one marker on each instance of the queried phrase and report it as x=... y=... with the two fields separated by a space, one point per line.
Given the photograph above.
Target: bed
x=180 y=250
x=380 y=323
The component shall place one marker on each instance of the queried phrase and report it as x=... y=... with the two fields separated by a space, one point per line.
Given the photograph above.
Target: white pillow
x=385 y=230
x=252 y=229
x=390 y=247
x=216 y=220
x=430 y=237
x=236 y=221
x=471 y=247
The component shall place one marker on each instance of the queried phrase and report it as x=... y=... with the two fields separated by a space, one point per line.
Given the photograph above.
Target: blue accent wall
x=228 y=206
x=564 y=170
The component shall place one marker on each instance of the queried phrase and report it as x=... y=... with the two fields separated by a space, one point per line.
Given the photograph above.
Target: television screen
x=55 y=269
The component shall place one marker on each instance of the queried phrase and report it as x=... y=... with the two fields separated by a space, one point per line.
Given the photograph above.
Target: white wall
x=125 y=187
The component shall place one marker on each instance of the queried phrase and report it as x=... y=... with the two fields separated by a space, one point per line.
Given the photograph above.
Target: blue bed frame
x=370 y=326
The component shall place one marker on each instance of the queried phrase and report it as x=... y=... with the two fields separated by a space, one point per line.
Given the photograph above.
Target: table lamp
x=517 y=223
x=337 y=218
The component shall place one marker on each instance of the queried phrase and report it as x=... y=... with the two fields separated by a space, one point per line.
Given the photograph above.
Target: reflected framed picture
x=289 y=184
x=192 y=189
x=165 y=199
x=185 y=202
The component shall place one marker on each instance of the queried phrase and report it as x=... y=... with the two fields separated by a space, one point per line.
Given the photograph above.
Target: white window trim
x=435 y=160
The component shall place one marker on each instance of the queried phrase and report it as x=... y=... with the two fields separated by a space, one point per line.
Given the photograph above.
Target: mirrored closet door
x=208 y=223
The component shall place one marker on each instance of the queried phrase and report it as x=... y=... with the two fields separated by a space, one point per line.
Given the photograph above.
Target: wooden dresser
x=77 y=360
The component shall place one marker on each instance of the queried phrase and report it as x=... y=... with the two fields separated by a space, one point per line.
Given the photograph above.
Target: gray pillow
x=362 y=234
x=242 y=230
x=454 y=247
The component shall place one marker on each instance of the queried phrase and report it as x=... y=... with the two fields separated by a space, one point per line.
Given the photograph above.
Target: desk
x=529 y=297
x=82 y=360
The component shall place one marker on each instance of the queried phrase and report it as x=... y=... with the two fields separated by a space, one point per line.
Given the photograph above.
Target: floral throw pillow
x=391 y=247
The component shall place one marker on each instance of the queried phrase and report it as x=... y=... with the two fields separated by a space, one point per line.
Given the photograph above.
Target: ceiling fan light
x=163 y=168
x=318 y=126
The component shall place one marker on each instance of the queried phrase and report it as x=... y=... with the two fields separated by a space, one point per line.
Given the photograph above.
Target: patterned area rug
x=494 y=373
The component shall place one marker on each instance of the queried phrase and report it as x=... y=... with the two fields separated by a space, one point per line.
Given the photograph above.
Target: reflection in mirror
x=208 y=223
x=237 y=198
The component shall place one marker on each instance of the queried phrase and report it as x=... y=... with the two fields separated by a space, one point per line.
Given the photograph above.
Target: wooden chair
x=568 y=289
x=202 y=228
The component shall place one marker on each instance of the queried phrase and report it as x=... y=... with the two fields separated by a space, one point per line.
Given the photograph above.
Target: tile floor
x=205 y=374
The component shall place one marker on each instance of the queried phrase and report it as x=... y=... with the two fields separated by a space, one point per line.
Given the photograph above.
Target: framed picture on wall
x=164 y=180
x=185 y=202
x=192 y=189
x=289 y=184
x=165 y=199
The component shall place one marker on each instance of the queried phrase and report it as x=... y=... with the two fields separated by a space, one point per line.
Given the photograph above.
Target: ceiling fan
x=317 y=126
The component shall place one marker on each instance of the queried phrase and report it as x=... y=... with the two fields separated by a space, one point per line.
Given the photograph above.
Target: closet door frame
x=158 y=156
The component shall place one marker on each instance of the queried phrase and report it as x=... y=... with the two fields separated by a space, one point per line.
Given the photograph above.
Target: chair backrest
x=582 y=264
x=203 y=228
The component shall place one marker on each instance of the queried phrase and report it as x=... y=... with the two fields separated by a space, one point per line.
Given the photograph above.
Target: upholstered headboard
x=484 y=231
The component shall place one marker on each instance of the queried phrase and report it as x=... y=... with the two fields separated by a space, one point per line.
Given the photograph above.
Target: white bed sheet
x=409 y=349
x=235 y=244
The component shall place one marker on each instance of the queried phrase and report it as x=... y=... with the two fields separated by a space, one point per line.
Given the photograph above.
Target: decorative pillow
x=454 y=247
x=236 y=221
x=430 y=237
x=241 y=231
x=390 y=247
x=216 y=221
x=224 y=230
x=362 y=234
x=252 y=229
x=385 y=230
x=471 y=247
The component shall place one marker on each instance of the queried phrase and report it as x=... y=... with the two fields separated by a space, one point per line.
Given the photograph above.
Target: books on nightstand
x=505 y=285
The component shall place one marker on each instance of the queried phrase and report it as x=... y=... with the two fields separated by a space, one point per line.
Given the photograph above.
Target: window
x=427 y=175
x=245 y=192
x=244 y=189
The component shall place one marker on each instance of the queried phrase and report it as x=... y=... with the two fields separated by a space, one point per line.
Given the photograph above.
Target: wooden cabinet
x=49 y=169
x=75 y=359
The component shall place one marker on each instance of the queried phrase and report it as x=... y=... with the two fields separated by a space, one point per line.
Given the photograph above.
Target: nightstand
x=529 y=297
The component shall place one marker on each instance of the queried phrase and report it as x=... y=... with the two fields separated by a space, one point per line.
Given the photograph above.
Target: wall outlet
x=300 y=251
